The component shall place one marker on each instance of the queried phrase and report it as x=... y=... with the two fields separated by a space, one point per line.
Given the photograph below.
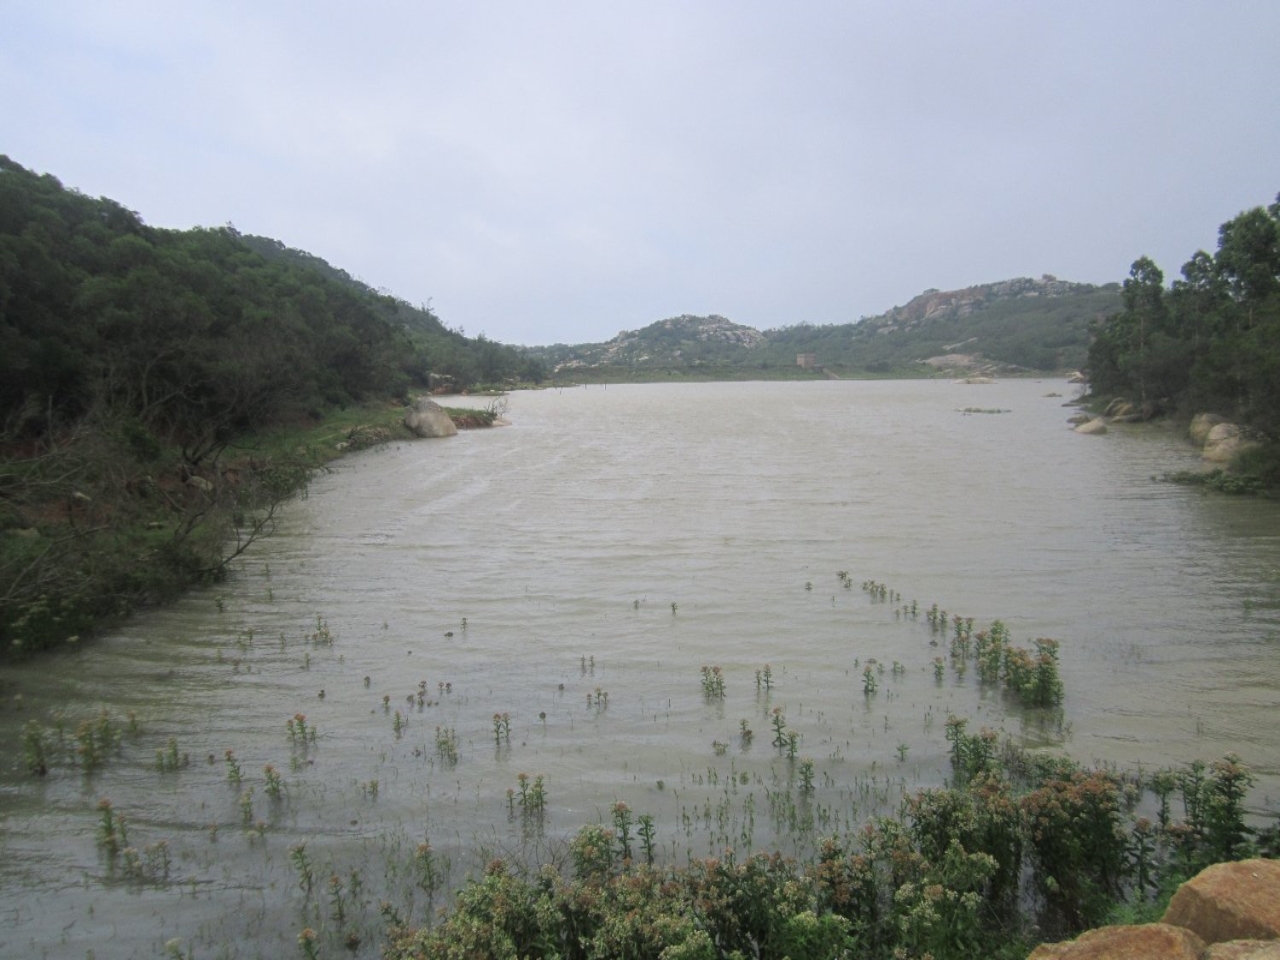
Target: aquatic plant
x=322 y=636
x=869 y=682
x=712 y=683
x=1223 y=806
x=805 y=774
x=169 y=759
x=95 y=739
x=299 y=732
x=622 y=830
x=275 y=783
x=132 y=863
x=1141 y=855
x=447 y=745
x=502 y=727
x=1076 y=843
x=427 y=872
x=112 y=834
x=307 y=943
x=35 y=748
x=971 y=754
x=764 y=678
x=647 y=832
x=1045 y=686
x=779 y=721
x=989 y=651
x=246 y=806
x=302 y=867
x=532 y=794
x=1162 y=784
x=337 y=900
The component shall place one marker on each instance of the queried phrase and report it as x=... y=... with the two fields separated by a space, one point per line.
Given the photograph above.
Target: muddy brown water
x=601 y=550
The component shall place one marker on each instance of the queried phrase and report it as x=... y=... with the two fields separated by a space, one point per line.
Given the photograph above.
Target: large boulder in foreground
x=1230 y=901
x=1147 y=941
x=426 y=418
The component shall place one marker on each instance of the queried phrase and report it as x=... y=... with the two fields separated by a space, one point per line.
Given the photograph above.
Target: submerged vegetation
x=1017 y=846
x=1023 y=848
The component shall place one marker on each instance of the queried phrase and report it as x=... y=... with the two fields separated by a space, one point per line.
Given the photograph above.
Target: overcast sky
x=556 y=172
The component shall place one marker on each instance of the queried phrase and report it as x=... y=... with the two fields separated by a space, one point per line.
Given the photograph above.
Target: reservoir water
x=541 y=598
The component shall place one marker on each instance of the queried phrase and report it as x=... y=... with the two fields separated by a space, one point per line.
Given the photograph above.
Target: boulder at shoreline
x=1201 y=424
x=1225 y=442
x=426 y=418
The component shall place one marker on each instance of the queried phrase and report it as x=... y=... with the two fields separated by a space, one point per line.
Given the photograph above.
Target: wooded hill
x=198 y=331
x=1020 y=325
x=133 y=358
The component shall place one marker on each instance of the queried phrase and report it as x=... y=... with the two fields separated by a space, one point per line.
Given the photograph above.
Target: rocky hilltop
x=1010 y=326
x=934 y=306
x=671 y=338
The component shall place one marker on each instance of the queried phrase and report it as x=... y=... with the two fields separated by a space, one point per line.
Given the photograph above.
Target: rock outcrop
x=1145 y=941
x=1244 y=950
x=1230 y=911
x=1225 y=442
x=1230 y=901
x=1201 y=424
x=426 y=418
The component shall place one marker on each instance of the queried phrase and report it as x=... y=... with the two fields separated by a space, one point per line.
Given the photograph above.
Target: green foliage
x=1077 y=844
x=1211 y=341
x=1246 y=482
x=962 y=872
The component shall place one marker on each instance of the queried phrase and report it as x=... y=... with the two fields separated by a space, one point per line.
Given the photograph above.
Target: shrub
x=1077 y=845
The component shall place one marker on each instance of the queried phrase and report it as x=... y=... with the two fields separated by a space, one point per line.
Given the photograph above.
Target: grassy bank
x=100 y=520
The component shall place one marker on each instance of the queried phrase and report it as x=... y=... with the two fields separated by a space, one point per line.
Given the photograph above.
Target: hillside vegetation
x=140 y=369
x=1021 y=325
